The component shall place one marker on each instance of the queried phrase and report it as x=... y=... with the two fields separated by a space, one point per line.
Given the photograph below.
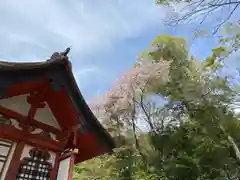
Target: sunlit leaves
x=215 y=60
x=168 y=48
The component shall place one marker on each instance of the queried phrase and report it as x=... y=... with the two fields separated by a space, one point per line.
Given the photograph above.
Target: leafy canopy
x=193 y=135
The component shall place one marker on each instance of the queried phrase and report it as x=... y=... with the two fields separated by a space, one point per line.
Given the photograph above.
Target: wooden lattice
x=35 y=167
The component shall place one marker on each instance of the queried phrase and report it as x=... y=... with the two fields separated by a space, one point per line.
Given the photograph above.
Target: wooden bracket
x=67 y=134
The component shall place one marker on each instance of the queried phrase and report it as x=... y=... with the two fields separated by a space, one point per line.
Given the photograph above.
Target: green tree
x=190 y=129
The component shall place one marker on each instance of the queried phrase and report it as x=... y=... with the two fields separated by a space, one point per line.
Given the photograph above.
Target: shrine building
x=46 y=127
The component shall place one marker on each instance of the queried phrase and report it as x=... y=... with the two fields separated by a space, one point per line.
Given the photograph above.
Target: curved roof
x=58 y=70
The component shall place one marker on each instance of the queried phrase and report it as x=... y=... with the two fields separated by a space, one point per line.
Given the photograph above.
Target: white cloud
x=30 y=29
x=86 y=70
x=83 y=74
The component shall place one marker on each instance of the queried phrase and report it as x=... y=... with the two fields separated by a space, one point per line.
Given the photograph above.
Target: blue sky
x=105 y=35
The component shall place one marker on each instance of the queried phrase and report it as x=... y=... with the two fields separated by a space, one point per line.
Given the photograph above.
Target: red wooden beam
x=11 y=133
x=24 y=120
x=25 y=87
x=15 y=162
x=54 y=172
x=36 y=100
x=67 y=132
x=71 y=166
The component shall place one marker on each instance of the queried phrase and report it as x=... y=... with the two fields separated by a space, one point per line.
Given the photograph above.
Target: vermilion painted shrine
x=45 y=124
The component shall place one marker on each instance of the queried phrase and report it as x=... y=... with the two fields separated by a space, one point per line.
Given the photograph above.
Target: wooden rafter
x=10 y=132
x=24 y=120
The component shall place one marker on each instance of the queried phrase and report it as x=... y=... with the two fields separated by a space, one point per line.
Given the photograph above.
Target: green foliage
x=231 y=37
x=162 y=2
x=167 y=48
x=192 y=137
x=214 y=61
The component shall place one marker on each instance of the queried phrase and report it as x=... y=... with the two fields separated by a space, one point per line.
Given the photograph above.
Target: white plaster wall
x=25 y=152
x=4 y=150
x=45 y=115
x=1 y=166
x=27 y=148
x=20 y=105
x=38 y=130
x=15 y=123
x=17 y=103
x=8 y=161
x=63 y=169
